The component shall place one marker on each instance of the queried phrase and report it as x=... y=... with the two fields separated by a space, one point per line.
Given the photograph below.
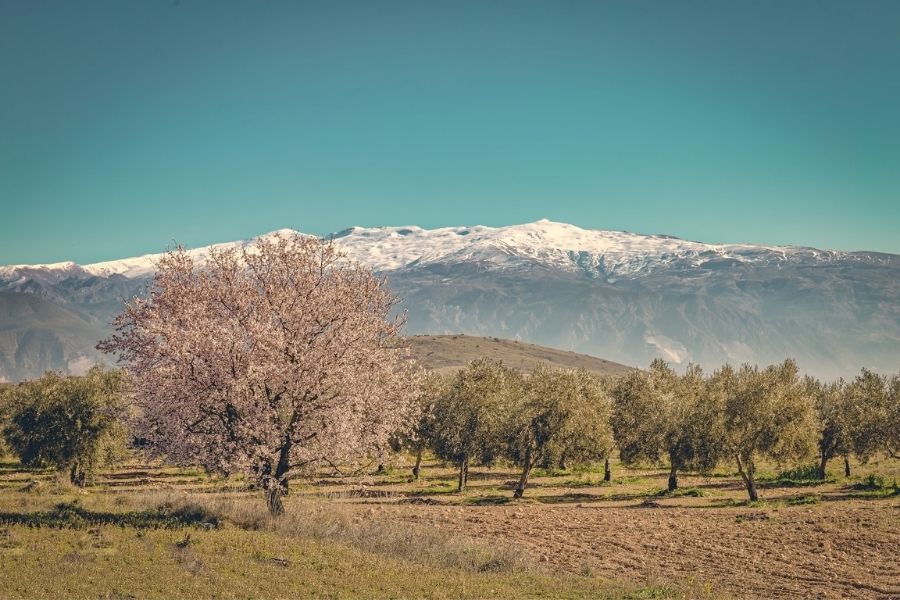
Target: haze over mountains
x=621 y=296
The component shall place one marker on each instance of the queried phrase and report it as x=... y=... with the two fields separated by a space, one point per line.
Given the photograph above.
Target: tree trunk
x=276 y=485
x=846 y=467
x=673 y=479
x=418 y=467
x=823 y=463
x=463 y=475
x=77 y=475
x=747 y=474
x=276 y=489
x=523 y=480
x=273 y=500
x=607 y=470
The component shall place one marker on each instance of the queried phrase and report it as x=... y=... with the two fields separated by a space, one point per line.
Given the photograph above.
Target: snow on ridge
x=557 y=245
x=552 y=244
x=143 y=266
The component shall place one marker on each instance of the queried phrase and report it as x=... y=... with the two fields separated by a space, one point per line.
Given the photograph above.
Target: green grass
x=493 y=500
x=690 y=492
x=804 y=499
x=117 y=562
x=73 y=516
x=875 y=486
x=803 y=476
x=585 y=482
x=437 y=487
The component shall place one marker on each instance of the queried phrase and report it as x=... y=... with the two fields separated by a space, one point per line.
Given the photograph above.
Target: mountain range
x=626 y=297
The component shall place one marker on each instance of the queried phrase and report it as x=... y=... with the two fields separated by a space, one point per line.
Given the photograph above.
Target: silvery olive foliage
x=766 y=412
x=472 y=413
x=419 y=432
x=871 y=406
x=562 y=416
x=73 y=423
x=832 y=420
x=659 y=416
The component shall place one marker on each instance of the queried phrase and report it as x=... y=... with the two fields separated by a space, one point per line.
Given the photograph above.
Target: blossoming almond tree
x=270 y=359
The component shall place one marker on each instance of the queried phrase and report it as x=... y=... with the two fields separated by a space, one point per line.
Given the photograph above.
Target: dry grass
x=326 y=520
x=445 y=353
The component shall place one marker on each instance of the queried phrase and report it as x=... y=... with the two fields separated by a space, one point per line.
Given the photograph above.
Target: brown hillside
x=444 y=353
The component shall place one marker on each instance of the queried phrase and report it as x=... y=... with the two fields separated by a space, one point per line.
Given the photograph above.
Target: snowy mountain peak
x=543 y=243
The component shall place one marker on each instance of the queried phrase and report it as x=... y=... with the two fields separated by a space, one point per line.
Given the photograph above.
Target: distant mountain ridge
x=624 y=296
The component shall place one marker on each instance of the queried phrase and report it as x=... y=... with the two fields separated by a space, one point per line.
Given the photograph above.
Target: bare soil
x=836 y=550
x=825 y=540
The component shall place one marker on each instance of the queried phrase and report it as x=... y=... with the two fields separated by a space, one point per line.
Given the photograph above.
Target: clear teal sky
x=126 y=124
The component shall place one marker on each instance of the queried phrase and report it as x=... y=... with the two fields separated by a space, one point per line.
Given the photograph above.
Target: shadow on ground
x=69 y=515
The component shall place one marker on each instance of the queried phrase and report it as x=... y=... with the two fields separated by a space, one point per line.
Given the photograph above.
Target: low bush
x=875 y=485
x=71 y=515
x=804 y=475
x=805 y=499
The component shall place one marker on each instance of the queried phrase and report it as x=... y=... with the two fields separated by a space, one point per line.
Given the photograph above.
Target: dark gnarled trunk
x=523 y=480
x=607 y=470
x=463 y=474
x=846 y=467
x=77 y=475
x=276 y=483
x=748 y=473
x=417 y=469
x=673 y=479
x=823 y=464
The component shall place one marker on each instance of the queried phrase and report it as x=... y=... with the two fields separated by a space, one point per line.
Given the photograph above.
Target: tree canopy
x=72 y=423
x=471 y=415
x=268 y=359
x=562 y=416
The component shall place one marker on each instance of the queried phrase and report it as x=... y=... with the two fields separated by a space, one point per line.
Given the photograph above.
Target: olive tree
x=833 y=421
x=892 y=425
x=72 y=423
x=268 y=359
x=660 y=415
x=766 y=413
x=5 y=395
x=417 y=437
x=561 y=414
x=869 y=400
x=471 y=416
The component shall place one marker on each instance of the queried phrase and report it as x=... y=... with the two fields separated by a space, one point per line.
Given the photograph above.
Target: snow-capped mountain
x=624 y=296
x=599 y=253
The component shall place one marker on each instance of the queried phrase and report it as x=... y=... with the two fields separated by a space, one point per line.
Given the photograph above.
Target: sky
x=127 y=125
